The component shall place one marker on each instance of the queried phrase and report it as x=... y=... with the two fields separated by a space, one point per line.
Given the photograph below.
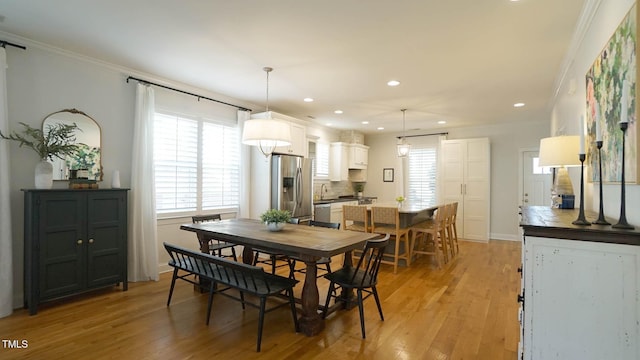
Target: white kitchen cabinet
x=338 y=161
x=358 y=156
x=336 y=210
x=465 y=178
x=344 y=157
x=298 y=142
x=298 y=134
x=581 y=289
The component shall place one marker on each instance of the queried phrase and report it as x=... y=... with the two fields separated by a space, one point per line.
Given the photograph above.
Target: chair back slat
x=330 y=225
x=205 y=218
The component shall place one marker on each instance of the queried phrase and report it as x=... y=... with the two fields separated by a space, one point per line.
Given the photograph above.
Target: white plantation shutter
x=322 y=160
x=190 y=177
x=423 y=171
x=220 y=166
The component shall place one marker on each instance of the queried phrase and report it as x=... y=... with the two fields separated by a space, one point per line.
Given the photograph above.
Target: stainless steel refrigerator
x=291 y=185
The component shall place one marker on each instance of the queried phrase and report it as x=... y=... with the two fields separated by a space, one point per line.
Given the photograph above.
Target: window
x=196 y=164
x=322 y=160
x=422 y=173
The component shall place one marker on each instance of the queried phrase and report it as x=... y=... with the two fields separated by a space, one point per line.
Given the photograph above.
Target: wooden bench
x=231 y=275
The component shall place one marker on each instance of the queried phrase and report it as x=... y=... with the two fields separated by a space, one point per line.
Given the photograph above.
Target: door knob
x=90 y=241
x=79 y=242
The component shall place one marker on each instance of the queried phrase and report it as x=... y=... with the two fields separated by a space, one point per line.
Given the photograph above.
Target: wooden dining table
x=308 y=243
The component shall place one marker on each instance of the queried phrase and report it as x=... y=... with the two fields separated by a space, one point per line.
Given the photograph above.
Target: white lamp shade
x=560 y=151
x=266 y=133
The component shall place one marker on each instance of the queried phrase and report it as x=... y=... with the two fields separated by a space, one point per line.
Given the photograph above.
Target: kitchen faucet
x=323 y=189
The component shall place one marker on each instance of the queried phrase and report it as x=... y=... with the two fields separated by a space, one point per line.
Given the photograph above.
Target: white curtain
x=245 y=168
x=6 y=265
x=143 y=243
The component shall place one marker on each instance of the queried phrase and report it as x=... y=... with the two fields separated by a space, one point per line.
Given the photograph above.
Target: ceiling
x=462 y=61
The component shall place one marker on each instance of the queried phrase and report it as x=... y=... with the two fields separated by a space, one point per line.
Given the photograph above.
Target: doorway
x=535 y=188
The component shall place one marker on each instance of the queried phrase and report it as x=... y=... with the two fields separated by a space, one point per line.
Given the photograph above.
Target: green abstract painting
x=615 y=65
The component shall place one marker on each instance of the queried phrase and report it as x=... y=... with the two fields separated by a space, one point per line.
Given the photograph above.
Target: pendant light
x=268 y=133
x=403 y=146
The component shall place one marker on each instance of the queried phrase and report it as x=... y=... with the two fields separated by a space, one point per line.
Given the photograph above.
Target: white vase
x=115 y=179
x=44 y=175
x=275 y=226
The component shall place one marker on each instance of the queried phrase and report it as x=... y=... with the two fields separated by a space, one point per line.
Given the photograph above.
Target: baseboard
x=509 y=237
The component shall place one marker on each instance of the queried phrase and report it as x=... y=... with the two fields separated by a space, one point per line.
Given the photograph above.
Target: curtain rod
x=4 y=43
x=434 y=134
x=187 y=93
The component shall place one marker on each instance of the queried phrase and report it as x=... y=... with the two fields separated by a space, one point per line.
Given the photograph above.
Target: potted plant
x=400 y=199
x=55 y=141
x=275 y=219
x=359 y=189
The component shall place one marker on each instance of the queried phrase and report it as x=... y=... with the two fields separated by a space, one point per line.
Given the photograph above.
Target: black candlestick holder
x=601 y=220
x=622 y=222
x=581 y=220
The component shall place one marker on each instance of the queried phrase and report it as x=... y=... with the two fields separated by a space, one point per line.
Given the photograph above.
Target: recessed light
x=308 y=100
x=329 y=124
x=380 y=128
x=365 y=122
x=442 y=122
x=393 y=83
x=518 y=105
x=338 y=112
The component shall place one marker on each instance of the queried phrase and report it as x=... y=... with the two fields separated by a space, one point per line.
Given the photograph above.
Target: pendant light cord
x=267 y=70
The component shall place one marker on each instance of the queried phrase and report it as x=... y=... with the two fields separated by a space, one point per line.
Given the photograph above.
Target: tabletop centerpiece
x=275 y=219
x=400 y=199
x=54 y=141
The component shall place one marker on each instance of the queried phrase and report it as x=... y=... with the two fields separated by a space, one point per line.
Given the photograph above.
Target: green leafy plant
x=57 y=141
x=275 y=216
x=359 y=187
x=400 y=198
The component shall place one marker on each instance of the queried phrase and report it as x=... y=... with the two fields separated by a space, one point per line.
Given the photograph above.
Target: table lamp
x=560 y=152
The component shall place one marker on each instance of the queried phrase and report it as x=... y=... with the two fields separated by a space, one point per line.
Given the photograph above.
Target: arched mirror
x=89 y=139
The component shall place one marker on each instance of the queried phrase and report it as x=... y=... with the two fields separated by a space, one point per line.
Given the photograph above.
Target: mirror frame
x=78 y=112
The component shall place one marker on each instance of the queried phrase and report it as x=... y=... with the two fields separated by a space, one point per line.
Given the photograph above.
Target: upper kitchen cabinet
x=358 y=156
x=298 y=134
x=339 y=161
x=344 y=158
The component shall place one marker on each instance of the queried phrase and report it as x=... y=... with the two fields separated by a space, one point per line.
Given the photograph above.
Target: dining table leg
x=310 y=321
x=347 y=296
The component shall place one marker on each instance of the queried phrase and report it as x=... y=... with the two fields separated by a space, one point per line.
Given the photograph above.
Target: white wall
x=506 y=142
x=42 y=80
x=568 y=106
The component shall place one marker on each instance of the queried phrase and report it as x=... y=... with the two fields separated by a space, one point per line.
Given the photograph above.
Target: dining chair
x=430 y=233
x=274 y=260
x=354 y=218
x=386 y=220
x=362 y=278
x=454 y=227
x=322 y=261
x=448 y=214
x=215 y=246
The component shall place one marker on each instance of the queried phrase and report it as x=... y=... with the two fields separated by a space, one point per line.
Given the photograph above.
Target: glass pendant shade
x=403 y=147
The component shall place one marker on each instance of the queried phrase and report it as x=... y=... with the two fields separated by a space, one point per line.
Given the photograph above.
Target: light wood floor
x=467 y=310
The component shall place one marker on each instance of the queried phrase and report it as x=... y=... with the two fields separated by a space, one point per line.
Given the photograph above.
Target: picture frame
x=387 y=174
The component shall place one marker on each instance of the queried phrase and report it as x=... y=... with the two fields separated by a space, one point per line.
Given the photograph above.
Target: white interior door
x=536 y=185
